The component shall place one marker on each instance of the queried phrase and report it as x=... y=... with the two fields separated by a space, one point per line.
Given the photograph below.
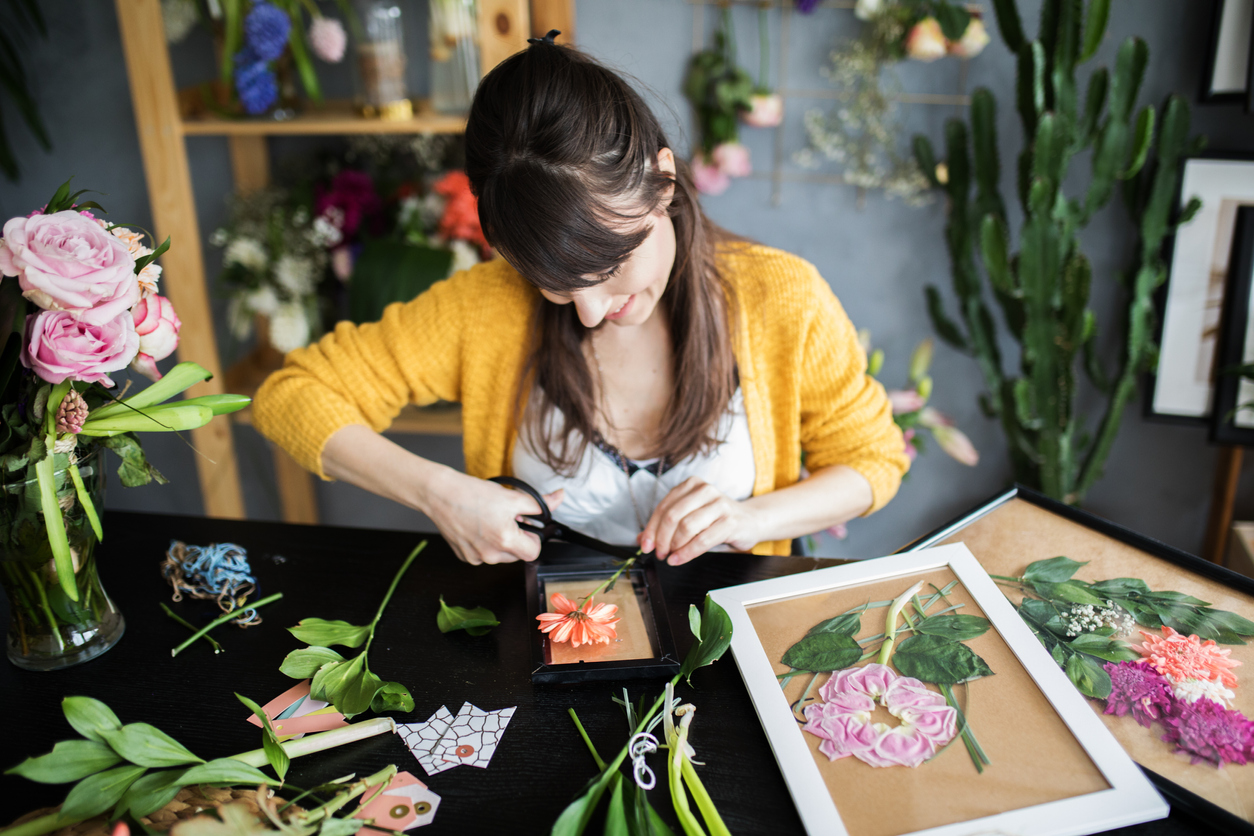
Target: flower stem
x=968 y=737
x=890 y=623
x=222 y=619
x=612 y=578
x=217 y=648
x=47 y=610
x=595 y=755
x=396 y=580
x=322 y=741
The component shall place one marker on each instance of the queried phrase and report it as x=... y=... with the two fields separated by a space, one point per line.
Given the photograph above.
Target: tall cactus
x=1043 y=290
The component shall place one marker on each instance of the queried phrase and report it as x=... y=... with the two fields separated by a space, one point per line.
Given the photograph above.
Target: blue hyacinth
x=255 y=83
x=266 y=30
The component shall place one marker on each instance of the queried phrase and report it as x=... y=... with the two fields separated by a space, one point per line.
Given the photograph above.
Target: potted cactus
x=1043 y=289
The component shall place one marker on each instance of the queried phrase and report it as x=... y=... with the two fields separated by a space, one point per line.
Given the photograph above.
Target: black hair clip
x=547 y=39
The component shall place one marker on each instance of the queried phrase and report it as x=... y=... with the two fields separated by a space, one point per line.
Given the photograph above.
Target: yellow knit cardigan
x=802 y=373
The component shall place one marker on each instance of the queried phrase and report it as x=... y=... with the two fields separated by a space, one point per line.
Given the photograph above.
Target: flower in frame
x=1183 y=659
x=1137 y=688
x=587 y=624
x=1206 y=731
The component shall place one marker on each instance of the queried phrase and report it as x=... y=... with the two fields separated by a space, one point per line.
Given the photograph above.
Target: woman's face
x=629 y=294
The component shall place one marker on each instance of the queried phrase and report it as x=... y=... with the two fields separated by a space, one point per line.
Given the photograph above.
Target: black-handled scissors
x=547 y=528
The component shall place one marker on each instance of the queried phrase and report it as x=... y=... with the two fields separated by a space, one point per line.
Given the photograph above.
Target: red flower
x=461 y=212
x=351 y=192
x=591 y=623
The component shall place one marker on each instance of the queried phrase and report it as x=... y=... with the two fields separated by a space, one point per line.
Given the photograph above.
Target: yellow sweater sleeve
x=364 y=374
x=845 y=414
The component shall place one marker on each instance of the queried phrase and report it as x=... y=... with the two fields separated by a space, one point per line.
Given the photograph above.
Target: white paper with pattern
x=422 y=738
x=473 y=737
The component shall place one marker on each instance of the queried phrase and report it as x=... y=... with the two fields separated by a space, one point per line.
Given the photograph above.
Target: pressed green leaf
x=148 y=746
x=393 y=696
x=476 y=622
x=715 y=638
x=348 y=685
x=89 y=716
x=939 y=661
x=1054 y=570
x=304 y=663
x=323 y=633
x=1104 y=647
x=958 y=628
x=1175 y=598
x=1231 y=622
x=1088 y=676
x=97 y=793
x=223 y=771
x=152 y=792
x=69 y=760
x=849 y=624
x=822 y=652
x=1075 y=592
x=1120 y=587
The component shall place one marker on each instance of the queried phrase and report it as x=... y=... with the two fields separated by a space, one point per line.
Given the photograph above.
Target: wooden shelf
x=334 y=117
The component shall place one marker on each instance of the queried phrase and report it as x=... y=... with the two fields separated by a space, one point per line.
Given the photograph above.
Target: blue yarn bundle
x=219 y=571
x=255 y=83
x=266 y=30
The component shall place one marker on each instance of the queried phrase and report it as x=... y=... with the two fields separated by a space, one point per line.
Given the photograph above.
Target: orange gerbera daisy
x=1179 y=657
x=579 y=625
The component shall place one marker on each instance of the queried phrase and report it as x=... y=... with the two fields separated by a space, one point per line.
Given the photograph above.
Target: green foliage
x=392 y=271
x=476 y=622
x=955 y=628
x=713 y=629
x=1043 y=290
x=718 y=89
x=939 y=660
x=823 y=652
x=22 y=19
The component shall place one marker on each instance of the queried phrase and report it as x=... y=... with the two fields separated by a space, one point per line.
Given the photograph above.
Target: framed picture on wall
x=963 y=720
x=1193 y=299
x=1232 y=419
x=1226 y=77
x=1011 y=532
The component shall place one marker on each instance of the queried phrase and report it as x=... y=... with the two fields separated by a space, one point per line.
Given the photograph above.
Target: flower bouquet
x=84 y=305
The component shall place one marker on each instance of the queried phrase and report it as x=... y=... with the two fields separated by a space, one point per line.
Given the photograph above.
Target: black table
x=342 y=573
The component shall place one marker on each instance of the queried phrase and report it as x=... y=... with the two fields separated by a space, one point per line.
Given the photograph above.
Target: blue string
x=219 y=571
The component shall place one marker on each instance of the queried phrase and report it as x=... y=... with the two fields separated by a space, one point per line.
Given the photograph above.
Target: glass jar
x=381 y=62
x=453 y=34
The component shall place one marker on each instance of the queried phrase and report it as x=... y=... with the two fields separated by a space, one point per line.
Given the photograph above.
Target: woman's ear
x=666 y=165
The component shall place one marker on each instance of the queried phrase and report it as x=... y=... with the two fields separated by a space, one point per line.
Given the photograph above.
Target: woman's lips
x=624 y=310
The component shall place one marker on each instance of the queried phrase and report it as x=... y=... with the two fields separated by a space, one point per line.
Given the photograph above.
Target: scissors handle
x=544 y=517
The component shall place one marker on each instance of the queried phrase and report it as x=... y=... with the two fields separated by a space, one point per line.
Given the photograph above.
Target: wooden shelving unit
x=504 y=26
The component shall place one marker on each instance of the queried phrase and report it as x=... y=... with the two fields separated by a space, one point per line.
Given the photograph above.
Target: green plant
x=22 y=18
x=1044 y=288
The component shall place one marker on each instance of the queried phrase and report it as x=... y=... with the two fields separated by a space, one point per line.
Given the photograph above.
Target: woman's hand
x=694 y=518
x=479 y=519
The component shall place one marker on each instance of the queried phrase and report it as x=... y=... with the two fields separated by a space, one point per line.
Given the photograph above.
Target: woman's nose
x=592 y=308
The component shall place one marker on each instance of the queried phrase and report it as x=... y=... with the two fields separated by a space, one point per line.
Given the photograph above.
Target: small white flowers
x=1192 y=690
x=295 y=274
x=1086 y=618
x=289 y=327
x=246 y=252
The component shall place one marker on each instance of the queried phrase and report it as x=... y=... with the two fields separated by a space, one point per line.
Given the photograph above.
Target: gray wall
x=877 y=256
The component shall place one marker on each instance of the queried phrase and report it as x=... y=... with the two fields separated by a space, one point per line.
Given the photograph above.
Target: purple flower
x=1137 y=687
x=807 y=6
x=1207 y=731
x=255 y=83
x=266 y=30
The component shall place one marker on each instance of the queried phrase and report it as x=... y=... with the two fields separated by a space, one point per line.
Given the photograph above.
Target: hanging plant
x=720 y=92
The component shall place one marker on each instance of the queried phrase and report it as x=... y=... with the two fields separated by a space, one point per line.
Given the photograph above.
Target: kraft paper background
x=633 y=636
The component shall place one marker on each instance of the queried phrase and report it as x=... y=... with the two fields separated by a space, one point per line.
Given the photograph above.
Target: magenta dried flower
x=1137 y=688
x=71 y=413
x=1206 y=731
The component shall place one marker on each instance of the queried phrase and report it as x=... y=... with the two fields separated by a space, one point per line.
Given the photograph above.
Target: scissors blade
x=561 y=532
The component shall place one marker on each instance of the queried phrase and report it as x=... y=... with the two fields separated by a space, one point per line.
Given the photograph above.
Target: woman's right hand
x=479 y=519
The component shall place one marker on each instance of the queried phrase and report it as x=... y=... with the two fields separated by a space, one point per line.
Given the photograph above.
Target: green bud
x=875 y=362
x=921 y=360
x=925 y=388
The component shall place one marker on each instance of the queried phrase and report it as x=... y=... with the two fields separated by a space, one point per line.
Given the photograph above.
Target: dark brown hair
x=556 y=144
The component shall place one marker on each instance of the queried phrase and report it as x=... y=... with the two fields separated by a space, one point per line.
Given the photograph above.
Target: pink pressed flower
x=732 y=159
x=709 y=178
x=591 y=623
x=1137 y=688
x=905 y=400
x=1181 y=658
x=1206 y=731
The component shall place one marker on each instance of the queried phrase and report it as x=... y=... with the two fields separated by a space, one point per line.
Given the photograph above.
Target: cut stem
x=395 y=580
x=595 y=755
x=217 y=648
x=224 y=618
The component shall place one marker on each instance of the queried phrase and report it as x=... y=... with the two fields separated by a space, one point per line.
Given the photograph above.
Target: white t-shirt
x=599 y=497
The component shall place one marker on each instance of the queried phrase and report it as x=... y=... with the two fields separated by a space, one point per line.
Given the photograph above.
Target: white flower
x=246 y=252
x=295 y=275
x=289 y=327
x=219 y=237
x=178 y=18
x=867 y=9
x=240 y=318
x=1192 y=690
x=263 y=301
x=325 y=232
x=148 y=278
x=410 y=206
x=465 y=256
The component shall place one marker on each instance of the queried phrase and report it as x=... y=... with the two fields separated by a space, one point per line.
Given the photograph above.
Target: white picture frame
x=1130 y=798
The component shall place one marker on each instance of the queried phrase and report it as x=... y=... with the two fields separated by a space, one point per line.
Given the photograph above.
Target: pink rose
x=926 y=41
x=732 y=159
x=709 y=178
x=67 y=262
x=872 y=680
x=766 y=110
x=158 y=326
x=900 y=746
x=906 y=692
x=58 y=346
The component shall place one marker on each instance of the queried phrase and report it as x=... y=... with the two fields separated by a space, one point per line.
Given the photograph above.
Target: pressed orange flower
x=591 y=623
x=1180 y=658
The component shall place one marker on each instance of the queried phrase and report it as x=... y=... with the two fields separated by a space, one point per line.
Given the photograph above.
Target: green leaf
x=615 y=813
x=958 y=628
x=1103 y=647
x=97 y=793
x=323 y=633
x=1054 y=570
x=183 y=376
x=348 y=685
x=135 y=470
x=84 y=501
x=89 y=717
x=1143 y=137
x=69 y=760
x=269 y=741
x=304 y=663
x=953 y=20
x=939 y=661
x=850 y=624
x=220 y=404
x=1120 y=587
x=54 y=524
x=822 y=652
x=1088 y=676
x=148 y=746
x=1075 y=592
x=715 y=638
x=476 y=622
x=393 y=696
x=1175 y=597
x=152 y=792
x=175 y=417
x=1094 y=27
x=223 y=771
x=1231 y=622
x=392 y=271
x=945 y=327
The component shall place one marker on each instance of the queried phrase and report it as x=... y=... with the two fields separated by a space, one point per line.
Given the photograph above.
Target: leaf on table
x=393 y=696
x=848 y=624
x=1119 y=587
x=223 y=771
x=712 y=642
x=304 y=663
x=152 y=792
x=958 y=628
x=939 y=661
x=1053 y=570
x=476 y=622
x=823 y=652
x=319 y=631
x=69 y=760
x=89 y=716
x=275 y=755
x=148 y=745
x=97 y=793
x=347 y=685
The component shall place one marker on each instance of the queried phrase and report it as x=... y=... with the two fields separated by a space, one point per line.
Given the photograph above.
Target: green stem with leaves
x=222 y=619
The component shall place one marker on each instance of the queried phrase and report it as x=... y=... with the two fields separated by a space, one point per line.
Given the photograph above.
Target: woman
x=656 y=377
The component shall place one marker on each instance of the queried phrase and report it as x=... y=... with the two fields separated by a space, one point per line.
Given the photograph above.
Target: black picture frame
x=1185 y=800
x=562 y=561
x=1207 y=93
x=1233 y=336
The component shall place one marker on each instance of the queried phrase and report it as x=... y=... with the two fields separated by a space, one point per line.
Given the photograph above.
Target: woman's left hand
x=694 y=518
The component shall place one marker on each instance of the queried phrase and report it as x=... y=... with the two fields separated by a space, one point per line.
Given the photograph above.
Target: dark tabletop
x=341 y=573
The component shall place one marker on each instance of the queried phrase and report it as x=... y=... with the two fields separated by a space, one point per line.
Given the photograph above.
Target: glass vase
x=47 y=629
x=383 y=92
x=454 y=54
